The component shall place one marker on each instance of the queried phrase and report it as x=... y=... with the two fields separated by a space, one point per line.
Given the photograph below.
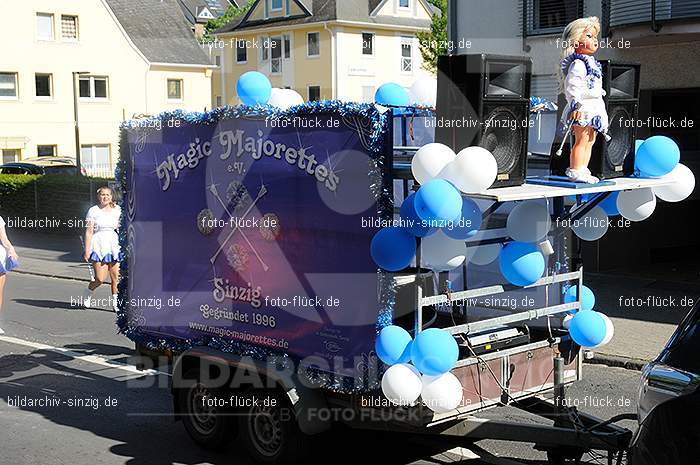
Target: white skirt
x=6 y=264
x=105 y=247
x=593 y=114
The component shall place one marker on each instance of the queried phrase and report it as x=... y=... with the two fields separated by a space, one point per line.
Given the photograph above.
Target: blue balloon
x=587 y=300
x=254 y=88
x=610 y=204
x=521 y=263
x=393 y=248
x=393 y=345
x=469 y=222
x=657 y=156
x=414 y=224
x=587 y=329
x=438 y=201
x=392 y=94
x=434 y=352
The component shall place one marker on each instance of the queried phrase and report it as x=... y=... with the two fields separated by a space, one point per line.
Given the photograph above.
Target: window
x=44 y=26
x=93 y=87
x=10 y=155
x=69 y=27
x=367 y=43
x=406 y=55
x=313 y=40
x=241 y=52
x=95 y=157
x=276 y=5
x=45 y=150
x=404 y=3
x=217 y=60
x=219 y=101
x=264 y=48
x=314 y=93
x=174 y=89
x=276 y=55
x=8 y=86
x=287 y=46
x=44 y=85
x=549 y=16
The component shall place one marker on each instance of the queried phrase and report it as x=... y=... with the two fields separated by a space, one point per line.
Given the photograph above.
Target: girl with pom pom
x=581 y=79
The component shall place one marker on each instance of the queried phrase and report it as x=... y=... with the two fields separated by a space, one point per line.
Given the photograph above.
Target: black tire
x=271 y=433
x=210 y=427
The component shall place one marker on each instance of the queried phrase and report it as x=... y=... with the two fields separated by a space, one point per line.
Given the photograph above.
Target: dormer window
x=404 y=4
x=276 y=5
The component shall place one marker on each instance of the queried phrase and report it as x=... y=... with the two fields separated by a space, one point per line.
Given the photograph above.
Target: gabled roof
x=326 y=10
x=159 y=30
x=195 y=11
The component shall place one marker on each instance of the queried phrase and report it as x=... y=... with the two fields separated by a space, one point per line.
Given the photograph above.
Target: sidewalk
x=55 y=256
x=645 y=310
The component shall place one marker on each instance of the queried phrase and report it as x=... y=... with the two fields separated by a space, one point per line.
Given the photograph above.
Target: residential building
x=134 y=58
x=662 y=36
x=323 y=49
x=199 y=12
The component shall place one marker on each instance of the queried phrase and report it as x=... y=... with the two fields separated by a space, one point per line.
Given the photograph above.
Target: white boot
x=87 y=298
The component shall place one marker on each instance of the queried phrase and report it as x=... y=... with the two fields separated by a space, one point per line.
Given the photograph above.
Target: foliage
x=434 y=43
x=232 y=12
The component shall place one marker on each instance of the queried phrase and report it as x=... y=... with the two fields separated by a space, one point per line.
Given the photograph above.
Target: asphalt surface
x=97 y=409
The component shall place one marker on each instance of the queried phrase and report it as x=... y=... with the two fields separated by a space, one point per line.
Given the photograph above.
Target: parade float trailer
x=254 y=225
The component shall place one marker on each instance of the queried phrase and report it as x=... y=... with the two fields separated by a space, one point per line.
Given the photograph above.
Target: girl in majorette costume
x=8 y=261
x=581 y=79
x=102 y=244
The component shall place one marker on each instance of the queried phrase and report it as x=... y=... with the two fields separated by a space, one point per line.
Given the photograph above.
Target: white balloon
x=424 y=92
x=592 y=226
x=636 y=205
x=402 y=384
x=529 y=222
x=683 y=185
x=429 y=160
x=440 y=252
x=609 y=330
x=474 y=170
x=441 y=393
x=485 y=254
x=567 y=321
x=285 y=98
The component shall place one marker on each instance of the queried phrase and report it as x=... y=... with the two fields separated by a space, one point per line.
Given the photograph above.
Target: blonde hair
x=569 y=39
x=111 y=192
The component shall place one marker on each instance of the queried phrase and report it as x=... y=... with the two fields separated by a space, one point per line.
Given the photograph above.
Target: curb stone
x=617 y=361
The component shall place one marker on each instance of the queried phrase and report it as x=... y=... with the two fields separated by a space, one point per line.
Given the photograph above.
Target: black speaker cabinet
x=615 y=158
x=484 y=100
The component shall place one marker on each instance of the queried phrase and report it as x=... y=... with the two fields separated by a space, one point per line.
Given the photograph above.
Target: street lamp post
x=75 y=116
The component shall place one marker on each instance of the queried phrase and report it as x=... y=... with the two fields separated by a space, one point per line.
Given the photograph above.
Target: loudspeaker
x=484 y=100
x=615 y=158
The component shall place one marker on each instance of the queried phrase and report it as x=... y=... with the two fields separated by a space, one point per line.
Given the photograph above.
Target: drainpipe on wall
x=334 y=62
x=656 y=27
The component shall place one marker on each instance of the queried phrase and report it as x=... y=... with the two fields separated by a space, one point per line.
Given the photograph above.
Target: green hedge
x=56 y=197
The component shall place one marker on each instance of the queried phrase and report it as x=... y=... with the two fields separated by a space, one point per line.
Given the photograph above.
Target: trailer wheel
x=210 y=427
x=270 y=430
x=564 y=456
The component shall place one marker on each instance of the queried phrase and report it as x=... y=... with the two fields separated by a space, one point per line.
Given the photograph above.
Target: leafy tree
x=232 y=12
x=434 y=43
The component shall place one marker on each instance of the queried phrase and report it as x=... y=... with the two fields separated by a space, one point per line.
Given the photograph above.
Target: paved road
x=57 y=352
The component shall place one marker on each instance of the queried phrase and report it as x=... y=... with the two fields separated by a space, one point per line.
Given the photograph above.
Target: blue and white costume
x=104 y=246
x=583 y=86
x=7 y=263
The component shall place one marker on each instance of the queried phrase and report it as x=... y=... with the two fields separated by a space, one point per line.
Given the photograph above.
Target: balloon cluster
x=437 y=212
x=656 y=157
x=423 y=93
x=254 y=89
x=521 y=261
x=587 y=327
x=420 y=368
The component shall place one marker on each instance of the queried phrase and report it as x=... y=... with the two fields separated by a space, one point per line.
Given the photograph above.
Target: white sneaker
x=575 y=175
x=87 y=298
x=589 y=178
x=1 y=331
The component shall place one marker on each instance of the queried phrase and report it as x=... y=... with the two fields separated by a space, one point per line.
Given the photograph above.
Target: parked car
x=42 y=165
x=669 y=401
